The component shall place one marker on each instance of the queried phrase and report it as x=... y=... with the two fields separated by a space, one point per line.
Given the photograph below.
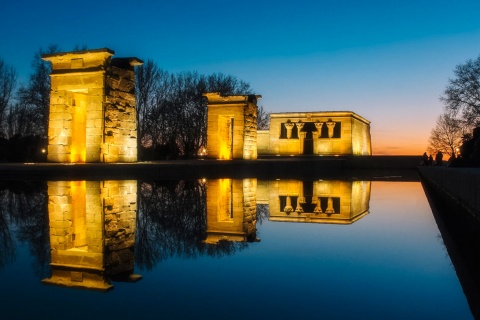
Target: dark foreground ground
x=371 y=167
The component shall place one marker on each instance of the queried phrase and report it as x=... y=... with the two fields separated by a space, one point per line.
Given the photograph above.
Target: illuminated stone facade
x=315 y=133
x=92 y=233
x=335 y=202
x=232 y=126
x=231 y=210
x=92 y=107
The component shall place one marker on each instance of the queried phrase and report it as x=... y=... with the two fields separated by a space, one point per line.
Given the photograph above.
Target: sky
x=388 y=61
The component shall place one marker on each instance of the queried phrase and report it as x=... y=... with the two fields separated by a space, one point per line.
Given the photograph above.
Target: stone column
x=288 y=207
x=318 y=207
x=330 y=126
x=289 y=126
x=301 y=136
x=330 y=208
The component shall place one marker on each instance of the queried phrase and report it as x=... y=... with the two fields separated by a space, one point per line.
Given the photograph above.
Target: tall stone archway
x=92 y=107
x=232 y=126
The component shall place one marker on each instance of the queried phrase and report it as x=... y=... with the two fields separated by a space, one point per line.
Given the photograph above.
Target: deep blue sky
x=388 y=61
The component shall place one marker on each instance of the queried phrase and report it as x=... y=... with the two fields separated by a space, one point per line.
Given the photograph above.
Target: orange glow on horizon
x=398 y=147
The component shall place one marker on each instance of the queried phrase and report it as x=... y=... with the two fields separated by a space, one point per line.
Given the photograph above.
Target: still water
x=223 y=249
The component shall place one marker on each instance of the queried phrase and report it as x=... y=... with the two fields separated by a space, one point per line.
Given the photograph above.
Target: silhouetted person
x=430 y=160
x=424 y=160
x=439 y=158
x=452 y=159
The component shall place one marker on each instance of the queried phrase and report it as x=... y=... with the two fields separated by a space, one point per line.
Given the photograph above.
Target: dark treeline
x=172 y=222
x=171 y=111
x=24 y=216
x=457 y=131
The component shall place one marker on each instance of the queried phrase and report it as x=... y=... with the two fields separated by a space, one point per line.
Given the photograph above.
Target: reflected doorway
x=308 y=128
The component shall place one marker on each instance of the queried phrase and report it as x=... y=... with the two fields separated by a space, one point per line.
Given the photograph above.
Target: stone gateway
x=92 y=107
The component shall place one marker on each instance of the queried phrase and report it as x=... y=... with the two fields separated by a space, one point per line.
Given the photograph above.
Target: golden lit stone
x=315 y=133
x=335 y=202
x=91 y=224
x=232 y=126
x=231 y=210
x=92 y=97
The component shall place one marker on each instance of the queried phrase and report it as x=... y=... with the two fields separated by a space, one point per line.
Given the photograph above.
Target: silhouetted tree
x=171 y=110
x=7 y=243
x=7 y=85
x=447 y=134
x=263 y=119
x=35 y=95
x=21 y=120
x=462 y=94
x=23 y=208
x=172 y=223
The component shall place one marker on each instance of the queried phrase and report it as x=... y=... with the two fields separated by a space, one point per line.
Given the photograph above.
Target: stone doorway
x=308 y=130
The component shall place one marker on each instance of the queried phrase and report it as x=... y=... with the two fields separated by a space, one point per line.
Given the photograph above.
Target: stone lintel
x=216 y=98
x=318 y=114
x=78 y=59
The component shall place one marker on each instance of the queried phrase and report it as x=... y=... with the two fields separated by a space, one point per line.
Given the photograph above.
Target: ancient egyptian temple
x=232 y=126
x=232 y=131
x=92 y=107
x=316 y=133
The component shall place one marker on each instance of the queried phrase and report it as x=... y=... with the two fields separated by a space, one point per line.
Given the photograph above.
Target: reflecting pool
x=223 y=249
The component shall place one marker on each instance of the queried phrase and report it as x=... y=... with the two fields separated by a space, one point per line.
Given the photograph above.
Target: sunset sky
x=388 y=61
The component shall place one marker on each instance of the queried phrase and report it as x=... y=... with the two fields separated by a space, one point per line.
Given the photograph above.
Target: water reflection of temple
x=231 y=204
x=92 y=233
x=231 y=210
x=337 y=202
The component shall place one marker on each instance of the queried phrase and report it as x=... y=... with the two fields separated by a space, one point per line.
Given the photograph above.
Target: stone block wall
x=75 y=213
x=361 y=139
x=92 y=232
x=231 y=126
x=231 y=210
x=250 y=129
x=120 y=113
x=462 y=185
x=120 y=207
x=352 y=137
x=92 y=107
x=353 y=197
x=250 y=208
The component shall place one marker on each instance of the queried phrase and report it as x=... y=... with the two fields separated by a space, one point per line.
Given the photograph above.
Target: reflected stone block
x=231 y=210
x=92 y=233
x=335 y=202
x=232 y=126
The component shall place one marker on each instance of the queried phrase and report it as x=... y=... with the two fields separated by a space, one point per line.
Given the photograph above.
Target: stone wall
x=120 y=207
x=335 y=202
x=231 y=210
x=361 y=139
x=250 y=208
x=231 y=126
x=92 y=232
x=92 y=107
x=330 y=133
x=460 y=184
x=250 y=129
x=120 y=113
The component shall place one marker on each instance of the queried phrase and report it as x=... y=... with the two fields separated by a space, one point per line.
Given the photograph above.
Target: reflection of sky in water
x=391 y=264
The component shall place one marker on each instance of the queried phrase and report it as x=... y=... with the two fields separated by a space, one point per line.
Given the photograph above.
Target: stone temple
x=328 y=133
x=92 y=107
x=232 y=131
